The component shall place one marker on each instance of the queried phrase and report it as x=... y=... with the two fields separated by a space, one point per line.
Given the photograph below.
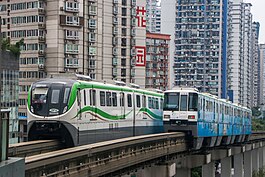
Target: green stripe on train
x=155 y=116
x=102 y=113
x=112 y=117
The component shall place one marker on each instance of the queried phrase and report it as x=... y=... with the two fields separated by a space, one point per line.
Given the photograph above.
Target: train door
x=92 y=102
x=144 y=106
x=122 y=105
x=78 y=95
x=183 y=106
x=55 y=96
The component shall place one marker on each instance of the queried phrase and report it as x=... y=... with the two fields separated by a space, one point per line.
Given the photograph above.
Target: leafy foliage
x=196 y=172
x=256 y=111
x=259 y=173
x=13 y=48
x=258 y=124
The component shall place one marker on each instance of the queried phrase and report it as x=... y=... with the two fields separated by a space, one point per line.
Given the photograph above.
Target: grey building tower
x=199 y=44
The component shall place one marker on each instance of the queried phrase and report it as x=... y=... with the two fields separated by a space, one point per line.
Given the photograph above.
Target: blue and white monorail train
x=210 y=121
x=80 y=112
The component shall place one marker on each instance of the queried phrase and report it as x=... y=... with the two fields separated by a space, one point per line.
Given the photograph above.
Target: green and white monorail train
x=80 y=112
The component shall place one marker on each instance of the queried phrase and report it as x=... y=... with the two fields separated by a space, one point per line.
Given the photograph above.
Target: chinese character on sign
x=141 y=16
x=140 y=55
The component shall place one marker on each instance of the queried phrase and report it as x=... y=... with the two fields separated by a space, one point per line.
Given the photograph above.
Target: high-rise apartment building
x=255 y=66
x=262 y=72
x=240 y=56
x=96 y=38
x=157 y=47
x=199 y=48
x=153 y=16
x=9 y=72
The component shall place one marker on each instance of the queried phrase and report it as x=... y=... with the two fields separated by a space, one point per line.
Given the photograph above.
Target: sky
x=259 y=16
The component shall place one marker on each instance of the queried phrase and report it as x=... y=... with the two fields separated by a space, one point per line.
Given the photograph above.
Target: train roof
x=130 y=88
x=51 y=80
x=180 y=89
x=100 y=85
x=194 y=90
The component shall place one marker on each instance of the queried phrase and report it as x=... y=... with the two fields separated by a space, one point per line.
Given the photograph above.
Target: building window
x=123 y=42
x=71 y=48
x=124 y=31
x=123 y=52
x=70 y=34
x=124 y=2
x=92 y=23
x=123 y=21
x=72 y=20
x=71 y=62
x=72 y=6
x=123 y=72
x=123 y=62
x=123 y=11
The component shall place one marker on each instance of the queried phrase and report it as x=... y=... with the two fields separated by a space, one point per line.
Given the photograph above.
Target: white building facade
x=239 y=54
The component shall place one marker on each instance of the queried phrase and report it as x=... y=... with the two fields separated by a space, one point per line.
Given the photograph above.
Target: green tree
x=13 y=48
x=256 y=111
x=259 y=173
x=196 y=172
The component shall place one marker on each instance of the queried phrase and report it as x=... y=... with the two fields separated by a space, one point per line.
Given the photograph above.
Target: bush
x=259 y=173
x=258 y=124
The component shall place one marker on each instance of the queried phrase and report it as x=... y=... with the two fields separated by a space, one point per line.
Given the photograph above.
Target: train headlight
x=191 y=117
x=166 y=116
x=31 y=109
x=65 y=109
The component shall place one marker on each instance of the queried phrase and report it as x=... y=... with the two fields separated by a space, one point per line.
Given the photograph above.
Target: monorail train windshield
x=49 y=99
x=175 y=101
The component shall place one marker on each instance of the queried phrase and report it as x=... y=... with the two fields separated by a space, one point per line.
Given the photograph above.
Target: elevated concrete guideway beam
x=125 y=156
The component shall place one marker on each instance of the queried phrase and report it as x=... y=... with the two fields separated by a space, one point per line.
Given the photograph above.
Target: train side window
x=114 y=99
x=161 y=103
x=102 y=98
x=193 y=102
x=121 y=99
x=144 y=101
x=206 y=105
x=129 y=100
x=66 y=95
x=216 y=108
x=150 y=102
x=203 y=104
x=156 y=105
x=108 y=98
x=138 y=101
x=84 y=97
x=92 y=97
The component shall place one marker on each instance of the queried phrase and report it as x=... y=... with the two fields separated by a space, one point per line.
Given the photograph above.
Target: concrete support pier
x=208 y=170
x=247 y=164
x=226 y=167
x=183 y=172
x=238 y=165
x=255 y=160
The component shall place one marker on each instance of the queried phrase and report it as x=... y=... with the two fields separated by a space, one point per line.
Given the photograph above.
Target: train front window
x=55 y=96
x=183 y=102
x=39 y=95
x=171 y=101
x=193 y=102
